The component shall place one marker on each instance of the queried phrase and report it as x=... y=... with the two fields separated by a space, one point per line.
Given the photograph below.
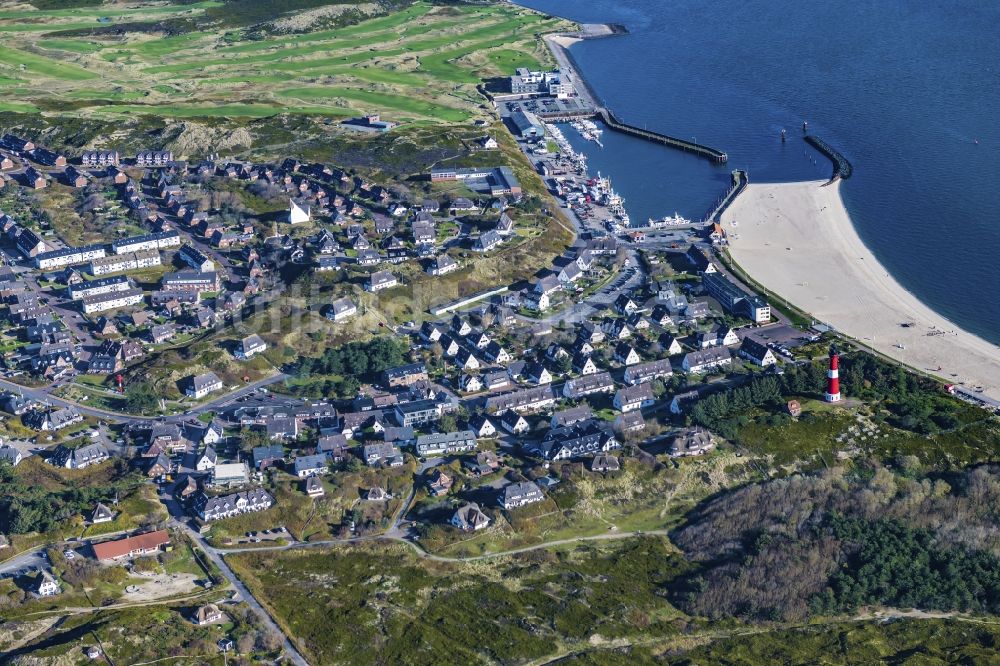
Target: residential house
x=380 y=280
x=466 y=360
x=313 y=465
x=626 y=354
x=268 y=456
x=682 y=401
x=485 y=462
x=629 y=422
x=446 y=443
x=670 y=345
x=647 y=372
x=571 y=416
x=537 y=374
x=298 y=212
x=162 y=333
x=439 y=483
x=51 y=419
x=692 y=442
x=580 y=439
x=580 y=387
x=101 y=514
x=583 y=364
x=250 y=346
x=633 y=397
x=45 y=585
x=79 y=458
x=207 y=460
x=431 y=332
x=334 y=447
x=341 y=309
x=604 y=463
x=470 y=383
x=382 y=453
x=617 y=329
x=707 y=360
x=625 y=305
x=470 y=518
x=757 y=352
x=404 y=375
x=282 y=428
x=495 y=380
x=203 y=384
x=314 y=487
x=226 y=506
x=482 y=426
x=661 y=316
x=718 y=336
x=442 y=265
x=526 y=400
x=207 y=614
x=495 y=353
x=460 y=326
x=514 y=423
x=10 y=455
x=487 y=241
x=519 y=494
x=158 y=466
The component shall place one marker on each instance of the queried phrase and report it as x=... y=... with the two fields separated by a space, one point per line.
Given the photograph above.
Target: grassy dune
x=418 y=64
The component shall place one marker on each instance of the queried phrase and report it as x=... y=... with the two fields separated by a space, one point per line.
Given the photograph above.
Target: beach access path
x=797 y=240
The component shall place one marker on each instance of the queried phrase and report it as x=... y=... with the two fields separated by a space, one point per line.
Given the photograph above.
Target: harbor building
x=735 y=300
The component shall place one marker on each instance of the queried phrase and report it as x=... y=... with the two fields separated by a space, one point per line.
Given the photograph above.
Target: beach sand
x=797 y=240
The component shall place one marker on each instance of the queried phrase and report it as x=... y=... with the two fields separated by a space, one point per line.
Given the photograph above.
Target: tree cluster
x=361 y=361
x=787 y=548
x=889 y=563
x=26 y=508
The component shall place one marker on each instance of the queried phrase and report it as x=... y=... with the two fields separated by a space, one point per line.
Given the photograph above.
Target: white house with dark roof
x=298 y=212
x=380 y=280
x=250 y=346
x=519 y=494
x=207 y=460
x=707 y=360
x=757 y=352
x=626 y=354
x=647 y=372
x=341 y=309
x=635 y=397
x=201 y=385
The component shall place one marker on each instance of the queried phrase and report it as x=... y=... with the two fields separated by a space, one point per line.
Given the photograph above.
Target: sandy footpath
x=798 y=241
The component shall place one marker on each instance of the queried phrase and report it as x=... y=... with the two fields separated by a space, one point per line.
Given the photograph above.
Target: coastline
x=798 y=240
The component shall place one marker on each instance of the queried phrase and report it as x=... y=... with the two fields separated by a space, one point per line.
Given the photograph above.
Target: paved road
x=609 y=536
x=41 y=394
x=178 y=520
x=29 y=560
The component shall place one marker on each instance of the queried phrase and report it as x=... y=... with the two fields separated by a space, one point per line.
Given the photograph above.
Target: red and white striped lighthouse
x=833 y=377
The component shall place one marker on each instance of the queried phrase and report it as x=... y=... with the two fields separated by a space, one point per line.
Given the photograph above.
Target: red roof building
x=134 y=546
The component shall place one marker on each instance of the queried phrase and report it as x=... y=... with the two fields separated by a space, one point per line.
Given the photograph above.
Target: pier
x=740 y=182
x=841 y=167
x=611 y=121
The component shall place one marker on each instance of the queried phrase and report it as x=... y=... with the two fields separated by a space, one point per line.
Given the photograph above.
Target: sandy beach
x=798 y=241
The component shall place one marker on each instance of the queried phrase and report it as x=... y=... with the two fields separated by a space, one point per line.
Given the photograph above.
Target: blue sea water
x=903 y=89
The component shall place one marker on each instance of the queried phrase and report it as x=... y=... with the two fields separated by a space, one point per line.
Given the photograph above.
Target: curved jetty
x=841 y=167
x=614 y=123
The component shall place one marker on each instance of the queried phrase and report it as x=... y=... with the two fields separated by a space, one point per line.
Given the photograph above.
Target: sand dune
x=797 y=240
